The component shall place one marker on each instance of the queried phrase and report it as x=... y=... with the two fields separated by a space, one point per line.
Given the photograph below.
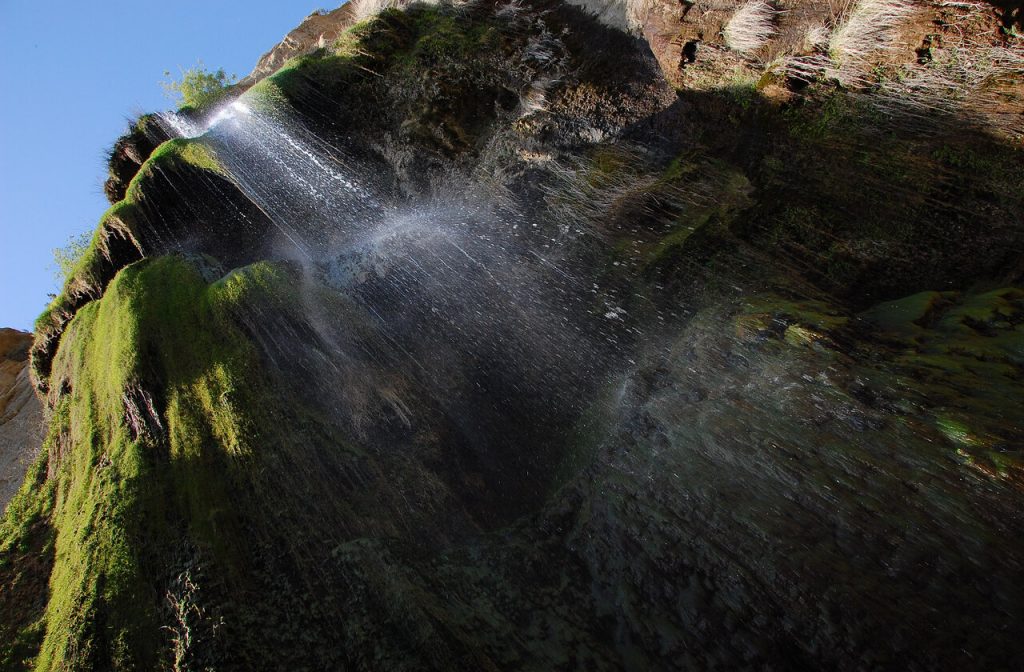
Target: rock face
x=21 y=420
x=317 y=29
x=492 y=336
x=129 y=153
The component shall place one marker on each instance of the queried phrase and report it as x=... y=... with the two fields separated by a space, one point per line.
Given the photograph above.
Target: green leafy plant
x=198 y=87
x=65 y=258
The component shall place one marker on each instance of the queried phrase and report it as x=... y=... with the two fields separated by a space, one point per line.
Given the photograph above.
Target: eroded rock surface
x=21 y=420
x=316 y=30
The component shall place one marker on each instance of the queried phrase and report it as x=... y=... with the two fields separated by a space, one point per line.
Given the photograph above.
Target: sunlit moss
x=192 y=151
x=817 y=315
x=957 y=432
x=118 y=511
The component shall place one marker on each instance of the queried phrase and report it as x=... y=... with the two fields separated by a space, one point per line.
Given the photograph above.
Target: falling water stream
x=455 y=289
x=480 y=425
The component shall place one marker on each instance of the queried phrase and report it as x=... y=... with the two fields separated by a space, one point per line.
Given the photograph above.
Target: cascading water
x=295 y=178
x=379 y=396
x=451 y=290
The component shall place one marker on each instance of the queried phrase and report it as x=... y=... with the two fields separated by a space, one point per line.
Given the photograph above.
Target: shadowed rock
x=484 y=337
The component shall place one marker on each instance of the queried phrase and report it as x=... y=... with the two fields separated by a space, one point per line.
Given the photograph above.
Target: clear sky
x=73 y=73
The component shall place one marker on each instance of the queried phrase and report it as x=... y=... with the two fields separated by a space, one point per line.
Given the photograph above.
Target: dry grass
x=865 y=28
x=751 y=27
x=535 y=99
x=966 y=74
x=848 y=47
x=816 y=37
x=977 y=81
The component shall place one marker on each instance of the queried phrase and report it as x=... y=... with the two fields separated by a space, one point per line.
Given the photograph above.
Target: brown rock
x=315 y=30
x=21 y=432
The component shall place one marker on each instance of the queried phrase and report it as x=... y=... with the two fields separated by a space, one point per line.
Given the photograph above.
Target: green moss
x=743 y=92
x=400 y=42
x=969 y=159
x=963 y=356
x=958 y=432
x=671 y=246
x=443 y=37
x=191 y=151
x=118 y=509
x=941 y=361
x=32 y=502
x=26 y=556
x=363 y=49
x=262 y=282
x=170 y=155
x=440 y=39
x=726 y=187
x=904 y=315
x=799 y=335
x=122 y=220
x=681 y=167
x=955 y=332
x=994 y=309
x=832 y=114
x=1004 y=464
x=86 y=270
x=608 y=161
x=816 y=315
x=108 y=485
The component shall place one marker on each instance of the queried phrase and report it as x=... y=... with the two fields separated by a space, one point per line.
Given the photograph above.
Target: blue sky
x=73 y=74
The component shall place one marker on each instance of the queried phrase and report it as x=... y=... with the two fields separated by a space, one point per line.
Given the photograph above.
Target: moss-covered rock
x=153 y=219
x=130 y=152
x=781 y=386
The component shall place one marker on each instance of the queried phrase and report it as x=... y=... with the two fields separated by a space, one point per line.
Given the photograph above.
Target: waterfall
x=471 y=299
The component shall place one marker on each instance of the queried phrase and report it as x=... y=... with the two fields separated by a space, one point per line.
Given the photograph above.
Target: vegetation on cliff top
x=66 y=258
x=198 y=88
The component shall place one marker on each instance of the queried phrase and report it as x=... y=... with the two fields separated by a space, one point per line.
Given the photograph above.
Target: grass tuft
x=866 y=28
x=750 y=27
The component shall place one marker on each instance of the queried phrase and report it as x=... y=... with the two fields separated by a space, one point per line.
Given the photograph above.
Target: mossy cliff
x=760 y=410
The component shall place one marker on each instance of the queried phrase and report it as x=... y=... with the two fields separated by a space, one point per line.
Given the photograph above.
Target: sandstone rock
x=21 y=432
x=314 y=31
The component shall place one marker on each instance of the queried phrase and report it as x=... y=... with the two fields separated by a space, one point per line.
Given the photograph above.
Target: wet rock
x=608 y=365
x=130 y=152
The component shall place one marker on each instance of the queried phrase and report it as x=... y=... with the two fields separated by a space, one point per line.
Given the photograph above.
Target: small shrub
x=66 y=258
x=198 y=87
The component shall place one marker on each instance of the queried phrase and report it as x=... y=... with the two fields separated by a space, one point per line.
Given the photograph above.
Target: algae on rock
x=778 y=425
